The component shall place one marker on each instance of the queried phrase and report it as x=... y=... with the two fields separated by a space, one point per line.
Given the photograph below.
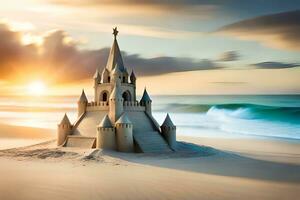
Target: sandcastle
x=115 y=120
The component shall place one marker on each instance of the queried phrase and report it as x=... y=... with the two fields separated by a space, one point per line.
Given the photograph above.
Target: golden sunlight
x=36 y=88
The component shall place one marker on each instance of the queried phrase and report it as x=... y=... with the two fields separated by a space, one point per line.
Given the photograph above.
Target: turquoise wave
x=240 y=110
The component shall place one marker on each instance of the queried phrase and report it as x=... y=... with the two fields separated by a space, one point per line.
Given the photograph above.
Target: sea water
x=201 y=115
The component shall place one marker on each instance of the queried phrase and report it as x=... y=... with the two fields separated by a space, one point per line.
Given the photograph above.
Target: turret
x=168 y=130
x=97 y=77
x=97 y=81
x=116 y=74
x=147 y=102
x=106 y=135
x=115 y=103
x=105 y=76
x=125 y=76
x=132 y=78
x=63 y=130
x=124 y=134
x=82 y=103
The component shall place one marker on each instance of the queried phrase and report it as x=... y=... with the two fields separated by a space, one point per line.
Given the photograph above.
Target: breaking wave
x=242 y=111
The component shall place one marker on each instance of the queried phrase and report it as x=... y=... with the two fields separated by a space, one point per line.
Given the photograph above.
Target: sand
x=18 y=136
x=232 y=169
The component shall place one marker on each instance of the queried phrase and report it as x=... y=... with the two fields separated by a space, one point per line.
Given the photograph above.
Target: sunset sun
x=36 y=88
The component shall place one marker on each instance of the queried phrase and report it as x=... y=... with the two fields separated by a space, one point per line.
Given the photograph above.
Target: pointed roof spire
x=168 y=122
x=123 y=119
x=104 y=70
x=132 y=75
x=145 y=96
x=96 y=75
x=105 y=123
x=83 y=97
x=116 y=69
x=65 y=120
x=115 y=57
x=115 y=94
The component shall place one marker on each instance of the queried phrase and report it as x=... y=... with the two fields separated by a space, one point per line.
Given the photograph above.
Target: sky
x=175 y=47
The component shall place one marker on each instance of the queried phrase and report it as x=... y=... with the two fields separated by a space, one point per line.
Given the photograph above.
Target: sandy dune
x=235 y=169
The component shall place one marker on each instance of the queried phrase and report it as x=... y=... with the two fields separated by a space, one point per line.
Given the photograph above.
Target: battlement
x=124 y=125
x=101 y=105
x=106 y=129
x=133 y=106
x=111 y=83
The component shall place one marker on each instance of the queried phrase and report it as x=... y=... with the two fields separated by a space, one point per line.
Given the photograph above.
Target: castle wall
x=102 y=87
x=109 y=87
x=87 y=126
x=98 y=106
x=133 y=106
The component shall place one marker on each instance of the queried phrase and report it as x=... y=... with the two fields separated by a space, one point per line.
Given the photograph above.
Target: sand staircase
x=151 y=142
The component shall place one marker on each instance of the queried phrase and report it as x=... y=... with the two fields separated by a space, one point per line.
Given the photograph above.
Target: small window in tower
x=104 y=97
x=124 y=79
x=108 y=79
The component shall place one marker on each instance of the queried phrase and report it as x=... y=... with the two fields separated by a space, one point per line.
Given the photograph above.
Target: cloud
x=60 y=56
x=191 y=8
x=280 y=30
x=163 y=65
x=229 y=56
x=275 y=65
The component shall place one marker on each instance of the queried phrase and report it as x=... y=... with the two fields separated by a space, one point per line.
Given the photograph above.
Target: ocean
x=200 y=115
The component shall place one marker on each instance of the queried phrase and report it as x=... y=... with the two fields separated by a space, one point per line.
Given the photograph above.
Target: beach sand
x=232 y=169
x=18 y=136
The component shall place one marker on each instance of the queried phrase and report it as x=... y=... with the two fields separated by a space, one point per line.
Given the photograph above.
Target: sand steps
x=151 y=142
x=81 y=142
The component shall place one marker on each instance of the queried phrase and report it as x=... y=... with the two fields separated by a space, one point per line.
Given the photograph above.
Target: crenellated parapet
x=99 y=103
x=133 y=106
x=95 y=106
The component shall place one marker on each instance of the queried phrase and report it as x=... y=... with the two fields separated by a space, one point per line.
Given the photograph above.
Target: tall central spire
x=115 y=57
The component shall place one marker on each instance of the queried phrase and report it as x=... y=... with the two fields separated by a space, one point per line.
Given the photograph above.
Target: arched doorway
x=126 y=96
x=104 y=96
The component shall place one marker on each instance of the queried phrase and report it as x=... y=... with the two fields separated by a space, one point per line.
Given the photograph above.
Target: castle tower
x=97 y=77
x=124 y=134
x=132 y=78
x=106 y=135
x=115 y=103
x=168 y=130
x=63 y=130
x=125 y=76
x=105 y=76
x=117 y=75
x=82 y=103
x=97 y=80
x=147 y=102
x=133 y=82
